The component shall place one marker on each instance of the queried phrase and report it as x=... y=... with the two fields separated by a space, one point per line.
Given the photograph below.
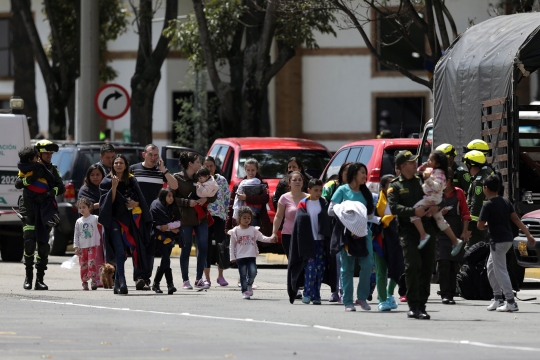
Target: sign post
x=112 y=101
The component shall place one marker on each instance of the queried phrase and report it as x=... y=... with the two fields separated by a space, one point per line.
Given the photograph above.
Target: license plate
x=522 y=248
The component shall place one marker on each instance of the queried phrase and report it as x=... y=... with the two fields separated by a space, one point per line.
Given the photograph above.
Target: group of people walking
x=327 y=229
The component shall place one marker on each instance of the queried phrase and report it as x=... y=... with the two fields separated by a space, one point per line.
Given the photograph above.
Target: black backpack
x=472 y=283
x=478 y=253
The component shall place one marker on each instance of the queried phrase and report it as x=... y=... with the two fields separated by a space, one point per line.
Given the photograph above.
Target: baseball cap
x=404 y=156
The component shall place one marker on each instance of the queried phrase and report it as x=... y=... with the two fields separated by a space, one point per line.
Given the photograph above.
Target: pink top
x=290 y=212
x=244 y=242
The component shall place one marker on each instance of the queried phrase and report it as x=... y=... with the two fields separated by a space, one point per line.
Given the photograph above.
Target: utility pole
x=87 y=121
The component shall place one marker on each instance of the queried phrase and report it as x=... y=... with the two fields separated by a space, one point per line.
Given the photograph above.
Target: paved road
x=67 y=323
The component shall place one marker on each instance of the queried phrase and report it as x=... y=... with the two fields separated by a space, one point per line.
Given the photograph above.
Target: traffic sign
x=112 y=101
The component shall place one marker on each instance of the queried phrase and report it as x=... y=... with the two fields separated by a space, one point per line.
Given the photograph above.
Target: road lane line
x=320 y=327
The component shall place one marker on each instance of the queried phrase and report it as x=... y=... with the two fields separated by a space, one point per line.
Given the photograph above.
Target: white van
x=14 y=135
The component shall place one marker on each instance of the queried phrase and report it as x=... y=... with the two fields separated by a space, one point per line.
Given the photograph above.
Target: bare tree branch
x=450 y=20
x=285 y=54
x=350 y=14
x=206 y=45
x=441 y=23
x=267 y=36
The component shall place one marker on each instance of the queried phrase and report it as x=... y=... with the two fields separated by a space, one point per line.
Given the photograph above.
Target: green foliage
x=63 y=15
x=296 y=24
x=191 y=120
x=222 y=17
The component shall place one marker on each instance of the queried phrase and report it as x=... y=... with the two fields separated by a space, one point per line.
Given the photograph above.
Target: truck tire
x=58 y=242
x=12 y=248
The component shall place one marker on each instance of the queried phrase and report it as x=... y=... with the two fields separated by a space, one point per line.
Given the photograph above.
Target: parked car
x=171 y=156
x=527 y=257
x=73 y=160
x=13 y=138
x=376 y=154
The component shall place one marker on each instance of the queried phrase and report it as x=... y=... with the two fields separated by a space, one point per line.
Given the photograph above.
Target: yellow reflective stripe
x=55 y=190
x=25 y=183
x=32 y=255
x=28 y=227
x=475 y=218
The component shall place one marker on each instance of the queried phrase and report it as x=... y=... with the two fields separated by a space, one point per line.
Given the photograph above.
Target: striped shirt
x=150 y=181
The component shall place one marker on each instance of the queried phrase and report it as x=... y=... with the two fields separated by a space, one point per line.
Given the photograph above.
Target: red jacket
x=463 y=208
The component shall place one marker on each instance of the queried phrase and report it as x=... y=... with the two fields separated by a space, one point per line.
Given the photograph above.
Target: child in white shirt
x=86 y=243
x=244 y=250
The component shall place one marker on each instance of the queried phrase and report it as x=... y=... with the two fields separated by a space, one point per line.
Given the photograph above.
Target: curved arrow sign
x=112 y=101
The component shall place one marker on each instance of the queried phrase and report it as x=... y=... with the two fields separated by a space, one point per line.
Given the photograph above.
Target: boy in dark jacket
x=495 y=215
x=311 y=229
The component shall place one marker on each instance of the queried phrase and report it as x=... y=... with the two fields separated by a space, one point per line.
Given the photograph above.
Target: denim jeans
x=347 y=273
x=201 y=232
x=118 y=246
x=247 y=267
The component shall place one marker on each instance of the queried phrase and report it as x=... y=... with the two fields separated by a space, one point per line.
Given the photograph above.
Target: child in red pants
x=86 y=243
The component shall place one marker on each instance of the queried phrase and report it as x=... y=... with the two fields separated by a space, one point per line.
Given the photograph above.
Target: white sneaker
x=187 y=285
x=349 y=308
x=250 y=290
x=495 y=304
x=245 y=295
x=508 y=307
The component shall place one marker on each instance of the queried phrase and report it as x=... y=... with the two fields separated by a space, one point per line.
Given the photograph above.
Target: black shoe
x=370 y=297
x=412 y=314
x=451 y=301
x=116 y=288
x=28 y=283
x=423 y=315
x=40 y=285
x=139 y=284
x=446 y=301
x=155 y=287
x=123 y=286
x=170 y=288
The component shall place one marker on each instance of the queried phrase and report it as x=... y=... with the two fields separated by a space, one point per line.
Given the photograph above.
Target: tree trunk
x=71 y=115
x=57 y=116
x=143 y=90
x=24 y=84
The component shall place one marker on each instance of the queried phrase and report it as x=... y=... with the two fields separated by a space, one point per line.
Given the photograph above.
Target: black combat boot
x=123 y=286
x=116 y=288
x=40 y=285
x=29 y=266
x=170 y=285
x=157 y=279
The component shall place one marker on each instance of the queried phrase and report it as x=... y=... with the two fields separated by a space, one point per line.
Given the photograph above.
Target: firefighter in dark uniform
x=476 y=163
x=403 y=193
x=462 y=178
x=45 y=149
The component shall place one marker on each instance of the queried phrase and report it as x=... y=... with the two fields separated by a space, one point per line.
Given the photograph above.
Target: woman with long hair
x=90 y=188
x=293 y=164
x=334 y=262
x=355 y=190
x=218 y=210
x=124 y=214
x=190 y=221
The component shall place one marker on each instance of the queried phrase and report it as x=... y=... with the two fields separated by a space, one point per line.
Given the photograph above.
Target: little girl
x=206 y=187
x=244 y=249
x=249 y=181
x=86 y=243
x=435 y=174
x=165 y=229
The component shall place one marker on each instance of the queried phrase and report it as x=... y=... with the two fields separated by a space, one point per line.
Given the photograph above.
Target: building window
x=6 y=55
x=402 y=114
x=392 y=47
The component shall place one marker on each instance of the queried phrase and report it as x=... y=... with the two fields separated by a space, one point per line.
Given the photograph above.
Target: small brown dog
x=106 y=273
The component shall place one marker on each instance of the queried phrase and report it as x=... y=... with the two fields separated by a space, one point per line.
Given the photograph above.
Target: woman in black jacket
x=282 y=187
x=127 y=221
x=90 y=188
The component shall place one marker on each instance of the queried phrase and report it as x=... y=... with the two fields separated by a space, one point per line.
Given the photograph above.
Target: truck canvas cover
x=483 y=63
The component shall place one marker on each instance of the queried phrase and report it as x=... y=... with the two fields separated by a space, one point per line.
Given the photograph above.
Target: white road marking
x=320 y=327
